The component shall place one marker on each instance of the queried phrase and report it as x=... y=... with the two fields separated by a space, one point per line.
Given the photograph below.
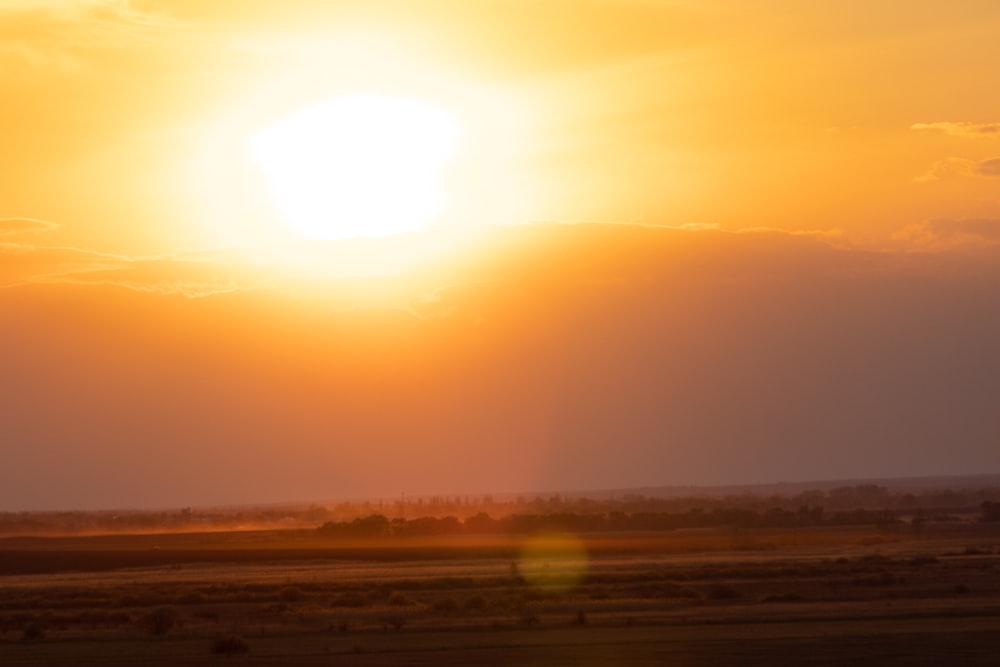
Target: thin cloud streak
x=194 y=275
x=962 y=129
x=18 y=226
x=990 y=167
x=959 y=167
x=605 y=253
x=944 y=234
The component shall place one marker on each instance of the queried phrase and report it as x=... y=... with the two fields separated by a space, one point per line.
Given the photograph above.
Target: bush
x=117 y=618
x=33 y=632
x=476 y=603
x=291 y=594
x=95 y=618
x=723 y=592
x=394 y=622
x=193 y=597
x=922 y=560
x=532 y=595
x=229 y=645
x=349 y=600
x=877 y=579
x=670 y=590
x=276 y=609
x=399 y=599
x=445 y=606
x=161 y=620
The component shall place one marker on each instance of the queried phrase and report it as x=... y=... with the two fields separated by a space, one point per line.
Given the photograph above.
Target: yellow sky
x=793 y=276
x=118 y=116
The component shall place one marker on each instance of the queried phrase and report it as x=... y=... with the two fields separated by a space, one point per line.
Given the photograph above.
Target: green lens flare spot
x=553 y=562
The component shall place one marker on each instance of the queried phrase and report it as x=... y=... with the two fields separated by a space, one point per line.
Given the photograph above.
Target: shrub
x=670 y=590
x=475 y=603
x=399 y=599
x=291 y=594
x=229 y=645
x=445 y=606
x=193 y=597
x=922 y=560
x=878 y=579
x=161 y=620
x=119 y=618
x=276 y=609
x=723 y=592
x=94 y=618
x=33 y=631
x=207 y=615
x=349 y=600
x=532 y=595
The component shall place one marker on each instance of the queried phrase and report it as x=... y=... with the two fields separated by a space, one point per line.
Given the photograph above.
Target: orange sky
x=685 y=243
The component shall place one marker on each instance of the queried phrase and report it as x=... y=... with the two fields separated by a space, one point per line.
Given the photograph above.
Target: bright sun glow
x=358 y=165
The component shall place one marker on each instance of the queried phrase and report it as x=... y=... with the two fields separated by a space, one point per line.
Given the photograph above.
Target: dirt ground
x=716 y=598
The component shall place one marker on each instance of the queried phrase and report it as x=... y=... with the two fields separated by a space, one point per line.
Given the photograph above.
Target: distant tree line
x=179 y=521
x=991 y=511
x=379 y=525
x=846 y=498
x=857 y=504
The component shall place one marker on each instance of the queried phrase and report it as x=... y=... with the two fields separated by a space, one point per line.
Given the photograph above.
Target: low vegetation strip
x=484 y=606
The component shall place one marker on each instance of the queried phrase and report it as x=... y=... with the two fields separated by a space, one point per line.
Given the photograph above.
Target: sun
x=358 y=165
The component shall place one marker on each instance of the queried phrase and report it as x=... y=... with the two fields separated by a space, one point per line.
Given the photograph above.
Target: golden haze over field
x=324 y=249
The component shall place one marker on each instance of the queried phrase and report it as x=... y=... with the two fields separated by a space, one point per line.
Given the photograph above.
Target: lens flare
x=553 y=562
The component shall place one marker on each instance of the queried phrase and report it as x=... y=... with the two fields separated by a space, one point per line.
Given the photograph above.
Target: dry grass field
x=712 y=597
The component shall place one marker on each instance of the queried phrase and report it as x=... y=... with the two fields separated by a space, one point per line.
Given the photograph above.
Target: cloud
x=22 y=263
x=504 y=273
x=950 y=233
x=188 y=276
x=80 y=10
x=989 y=167
x=535 y=269
x=571 y=356
x=17 y=226
x=67 y=36
x=478 y=35
x=192 y=275
x=960 y=167
x=831 y=236
x=962 y=129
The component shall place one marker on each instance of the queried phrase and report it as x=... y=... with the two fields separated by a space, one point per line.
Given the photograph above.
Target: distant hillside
x=894 y=484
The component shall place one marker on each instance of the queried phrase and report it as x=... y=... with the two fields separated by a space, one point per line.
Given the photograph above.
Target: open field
x=818 y=597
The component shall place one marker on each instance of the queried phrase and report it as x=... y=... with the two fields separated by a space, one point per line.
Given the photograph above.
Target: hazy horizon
x=310 y=249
